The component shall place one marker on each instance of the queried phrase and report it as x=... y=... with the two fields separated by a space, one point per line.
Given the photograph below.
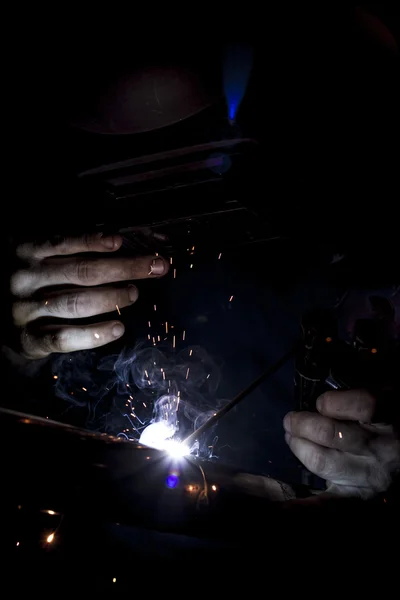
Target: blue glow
x=172 y=480
x=238 y=61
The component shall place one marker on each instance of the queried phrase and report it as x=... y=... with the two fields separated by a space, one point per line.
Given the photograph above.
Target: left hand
x=340 y=444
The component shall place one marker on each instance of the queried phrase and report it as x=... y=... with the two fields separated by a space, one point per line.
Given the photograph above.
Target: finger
x=96 y=242
x=74 y=304
x=86 y=272
x=328 y=463
x=69 y=339
x=327 y=432
x=351 y=405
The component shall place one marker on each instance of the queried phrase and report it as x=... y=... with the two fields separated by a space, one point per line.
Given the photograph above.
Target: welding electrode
x=267 y=373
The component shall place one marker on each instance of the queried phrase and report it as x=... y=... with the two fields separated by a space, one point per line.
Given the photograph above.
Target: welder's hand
x=59 y=281
x=340 y=444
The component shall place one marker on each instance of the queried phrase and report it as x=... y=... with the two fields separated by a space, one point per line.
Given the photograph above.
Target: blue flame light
x=172 y=480
x=238 y=61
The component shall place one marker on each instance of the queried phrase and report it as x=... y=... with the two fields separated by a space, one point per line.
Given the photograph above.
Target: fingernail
x=288 y=437
x=118 y=330
x=132 y=293
x=108 y=242
x=157 y=266
x=319 y=402
x=287 y=422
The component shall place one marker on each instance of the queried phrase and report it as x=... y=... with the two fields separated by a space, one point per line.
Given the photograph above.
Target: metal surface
x=77 y=474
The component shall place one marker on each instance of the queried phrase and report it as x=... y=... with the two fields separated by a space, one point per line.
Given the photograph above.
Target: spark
x=191 y=266
x=114 y=580
x=144 y=405
x=148 y=336
x=50 y=512
x=55 y=376
x=96 y=335
x=230 y=299
x=214 y=488
x=340 y=434
x=174 y=273
x=46 y=303
x=84 y=389
x=149 y=323
x=154 y=340
x=149 y=382
x=159 y=339
x=191 y=352
x=156 y=253
x=155 y=307
x=117 y=307
x=50 y=538
x=146 y=373
x=219 y=257
x=208 y=375
x=173 y=341
x=163 y=375
x=187 y=372
x=127 y=385
x=17 y=544
x=166 y=326
x=170 y=260
x=184 y=335
x=192 y=248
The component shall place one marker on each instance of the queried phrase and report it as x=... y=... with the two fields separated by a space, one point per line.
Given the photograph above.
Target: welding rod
x=267 y=373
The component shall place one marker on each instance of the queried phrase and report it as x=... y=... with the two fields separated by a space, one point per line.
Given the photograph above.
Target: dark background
x=322 y=104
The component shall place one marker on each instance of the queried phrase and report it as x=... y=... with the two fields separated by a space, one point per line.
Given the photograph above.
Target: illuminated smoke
x=124 y=394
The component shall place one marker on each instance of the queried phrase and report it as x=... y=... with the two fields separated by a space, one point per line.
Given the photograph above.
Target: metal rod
x=267 y=373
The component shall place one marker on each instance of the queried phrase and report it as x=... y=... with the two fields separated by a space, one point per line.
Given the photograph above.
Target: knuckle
x=55 y=342
x=85 y=272
x=73 y=304
x=18 y=310
x=87 y=241
x=326 y=432
x=60 y=244
x=21 y=283
x=318 y=462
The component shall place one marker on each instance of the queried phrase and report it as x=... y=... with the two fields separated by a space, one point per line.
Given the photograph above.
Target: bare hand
x=49 y=265
x=340 y=444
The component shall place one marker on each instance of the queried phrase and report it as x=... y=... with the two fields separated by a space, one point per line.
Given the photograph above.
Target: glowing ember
x=117 y=307
x=50 y=538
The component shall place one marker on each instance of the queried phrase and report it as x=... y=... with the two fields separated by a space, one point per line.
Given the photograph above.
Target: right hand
x=341 y=444
x=55 y=283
